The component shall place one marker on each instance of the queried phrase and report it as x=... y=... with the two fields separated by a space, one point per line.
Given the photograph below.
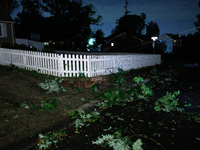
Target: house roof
x=4 y=16
x=142 y=38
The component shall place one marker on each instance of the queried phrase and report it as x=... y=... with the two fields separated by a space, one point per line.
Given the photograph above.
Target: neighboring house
x=172 y=42
x=128 y=42
x=30 y=43
x=75 y=43
x=7 y=33
x=33 y=42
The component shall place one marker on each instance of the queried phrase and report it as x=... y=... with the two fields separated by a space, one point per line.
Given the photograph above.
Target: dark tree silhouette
x=131 y=23
x=152 y=29
x=197 y=24
x=30 y=19
x=71 y=16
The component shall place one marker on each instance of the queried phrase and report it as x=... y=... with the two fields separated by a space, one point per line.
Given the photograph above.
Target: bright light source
x=91 y=41
x=112 y=44
x=154 y=38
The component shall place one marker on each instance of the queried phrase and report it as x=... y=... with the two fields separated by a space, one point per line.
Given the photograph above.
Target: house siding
x=169 y=42
x=10 y=34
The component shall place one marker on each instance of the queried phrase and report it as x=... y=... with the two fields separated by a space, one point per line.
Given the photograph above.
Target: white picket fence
x=70 y=65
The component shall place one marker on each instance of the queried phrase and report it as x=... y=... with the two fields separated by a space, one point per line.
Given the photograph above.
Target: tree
x=197 y=24
x=30 y=19
x=13 y=4
x=99 y=36
x=131 y=23
x=71 y=16
x=126 y=7
x=152 y=29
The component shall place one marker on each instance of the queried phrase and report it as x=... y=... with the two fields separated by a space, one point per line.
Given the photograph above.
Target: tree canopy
x=13 y=4
x=152 y=29
x=30 y=19
x=131 y=23
x=66 y=18
x=197 y=24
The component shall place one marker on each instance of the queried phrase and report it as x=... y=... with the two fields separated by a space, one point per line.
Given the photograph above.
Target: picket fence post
x=60 y=65
x=89 y=65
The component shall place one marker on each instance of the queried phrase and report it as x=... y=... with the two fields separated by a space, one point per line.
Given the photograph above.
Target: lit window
x=112 y=44
x=46 y=43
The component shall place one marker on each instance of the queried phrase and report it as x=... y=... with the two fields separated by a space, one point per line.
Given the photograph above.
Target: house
x=75 y=43
x=128 y=42
x=7 y=32
x=171 y=42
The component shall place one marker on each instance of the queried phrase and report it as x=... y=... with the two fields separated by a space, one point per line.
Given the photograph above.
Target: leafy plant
x=77 y=89
x=46 y=141
x=83 y=119
x=118 y=142
x=95 y=87
x=81 y=75
x=154 y=70
x=52 y=86
x=119 y=78
x=48 y=105
x=168 y=103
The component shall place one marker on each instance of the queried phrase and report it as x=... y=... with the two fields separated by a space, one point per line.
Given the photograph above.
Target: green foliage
x=77 y=89
x=138 y=79
x=95 y=87
x=168 y=103
x=50 y=104
x=52 y=86
x=142 y=91
x=119 y=78
x=154 y=71
x=81 y=75
x=83 y=119
x=47 y=140
x=118 y=142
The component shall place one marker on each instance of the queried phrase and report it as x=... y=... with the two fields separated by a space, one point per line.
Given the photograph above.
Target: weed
x=52 y=86
x=118 y=142
x=46 y=141
x=48 y=105
x=81 y=75
x=95 y=87
x=83 y=119
x=77 y=89
x=168 y=103
x=119 y=77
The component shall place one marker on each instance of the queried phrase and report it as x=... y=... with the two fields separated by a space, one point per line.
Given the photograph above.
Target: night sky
x=172 y=16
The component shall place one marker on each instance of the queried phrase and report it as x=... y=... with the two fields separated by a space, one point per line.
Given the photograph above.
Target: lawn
x=130 y=115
